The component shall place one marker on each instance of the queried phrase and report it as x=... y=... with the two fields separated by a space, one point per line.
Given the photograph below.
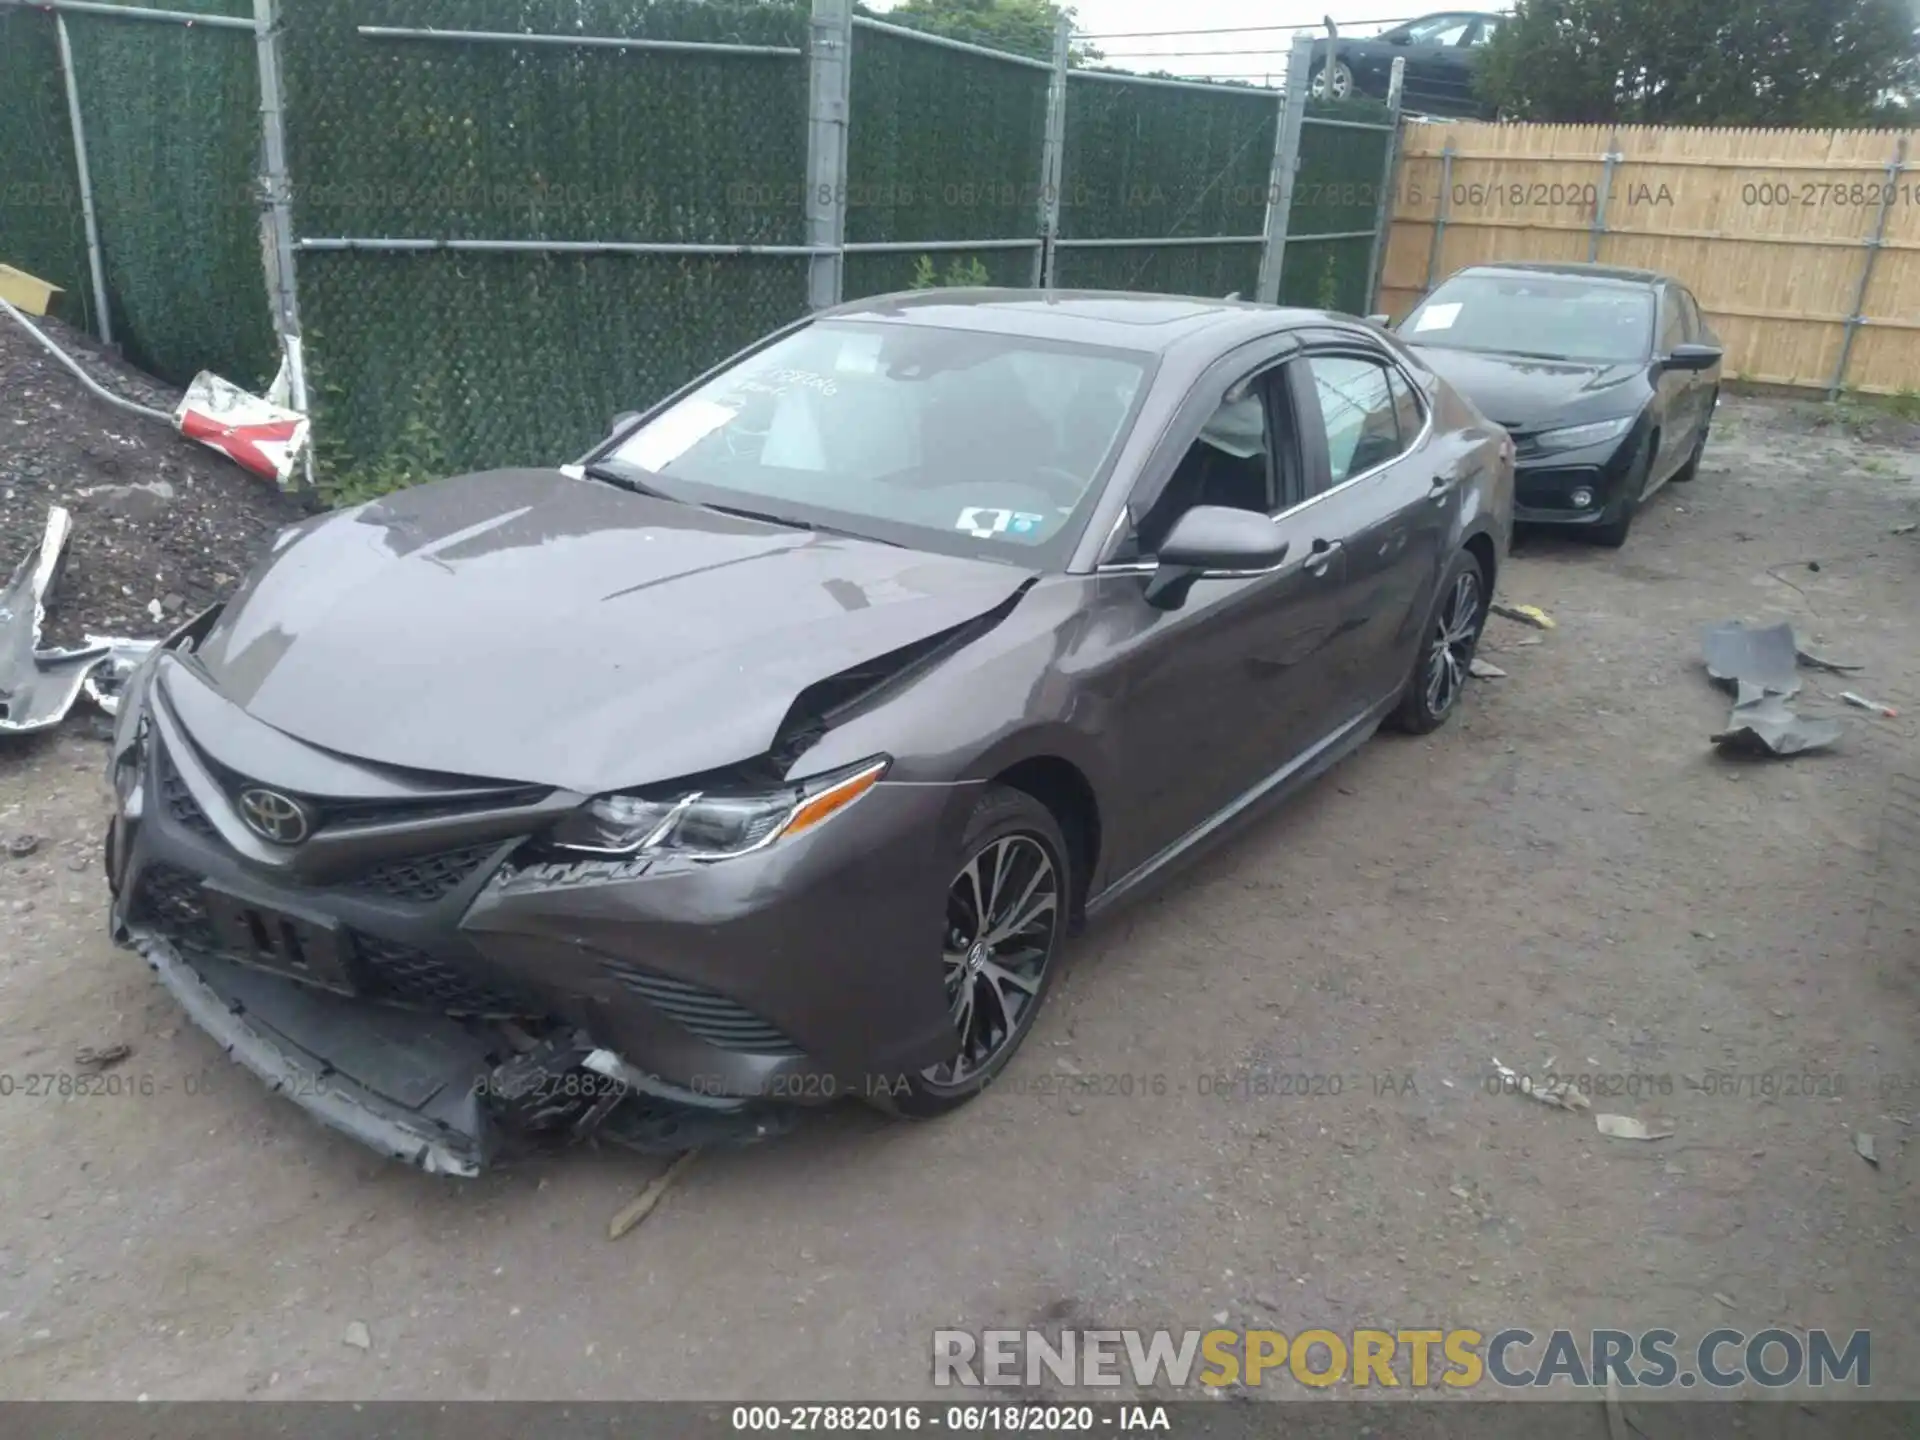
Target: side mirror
x=1396 y=39
x=1692 y=357
x=1212 y=540
x=623 y=420
x=1381 y=320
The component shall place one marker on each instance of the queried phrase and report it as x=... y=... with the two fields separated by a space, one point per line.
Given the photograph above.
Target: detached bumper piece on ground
x=38 y=687
x=1761 y=667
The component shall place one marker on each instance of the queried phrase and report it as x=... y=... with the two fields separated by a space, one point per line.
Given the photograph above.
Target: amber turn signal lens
x=834 y=799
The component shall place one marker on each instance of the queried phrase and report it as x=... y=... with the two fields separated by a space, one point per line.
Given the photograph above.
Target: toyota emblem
x=272 y=816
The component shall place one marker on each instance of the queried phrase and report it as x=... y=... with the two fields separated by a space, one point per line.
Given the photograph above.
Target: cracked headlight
x=1574 y=437
x=712 y=825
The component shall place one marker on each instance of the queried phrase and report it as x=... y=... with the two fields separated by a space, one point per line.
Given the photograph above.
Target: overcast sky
x=1255 y=50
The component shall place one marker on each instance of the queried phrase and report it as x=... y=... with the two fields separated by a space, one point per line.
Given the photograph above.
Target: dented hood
x=522 y=625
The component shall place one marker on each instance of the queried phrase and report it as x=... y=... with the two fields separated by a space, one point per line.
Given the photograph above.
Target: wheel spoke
x=1007 y=925
x=1003 y=977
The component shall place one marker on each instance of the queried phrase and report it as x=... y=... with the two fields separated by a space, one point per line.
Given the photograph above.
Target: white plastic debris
x=1625 y=1127
x=1558 y=1093
x=255 y=433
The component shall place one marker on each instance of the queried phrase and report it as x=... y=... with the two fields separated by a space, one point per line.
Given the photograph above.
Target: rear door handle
x=1323 y=552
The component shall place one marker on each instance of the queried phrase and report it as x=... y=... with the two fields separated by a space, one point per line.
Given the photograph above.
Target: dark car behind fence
x=489 y=225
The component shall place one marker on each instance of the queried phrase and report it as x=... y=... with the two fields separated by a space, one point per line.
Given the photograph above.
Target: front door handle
x=1323 y=552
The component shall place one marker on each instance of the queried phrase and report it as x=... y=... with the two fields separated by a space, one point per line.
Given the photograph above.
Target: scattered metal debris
x=1485 y=669
x=1625 y=1127
x=1765 y=659
x=38 y=687
x=256 y=434
x=107 y=679
x=1558 y=1093
x=1761 y=667
x=1861 y=702
x=101 y=1057
x=1765 y=726
x=1526 y=614
x=1906 y=529
x=1863 y=1147
x=357 y=1335
x=1726 y=1300
x=1820 y=662
x=649 y=1197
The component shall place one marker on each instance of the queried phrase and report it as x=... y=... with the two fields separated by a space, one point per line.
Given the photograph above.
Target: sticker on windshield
x=670 y=436
x=983 y=523
x=1437 y=317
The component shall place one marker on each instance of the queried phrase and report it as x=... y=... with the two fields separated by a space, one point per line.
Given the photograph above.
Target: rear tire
x=1446 y=650
x=1007 y=913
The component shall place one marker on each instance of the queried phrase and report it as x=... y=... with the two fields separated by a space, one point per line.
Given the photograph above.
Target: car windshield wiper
x=760 y=515
x=627 y=477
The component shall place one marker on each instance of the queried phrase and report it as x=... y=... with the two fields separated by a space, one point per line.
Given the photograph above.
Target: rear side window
x=1359 y=413
x=1406 y=407
x=1690 y=316
x=1672 y=327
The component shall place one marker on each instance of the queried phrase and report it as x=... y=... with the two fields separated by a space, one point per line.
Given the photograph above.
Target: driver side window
x=1244 y=458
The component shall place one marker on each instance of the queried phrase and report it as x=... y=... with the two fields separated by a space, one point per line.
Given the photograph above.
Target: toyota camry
x=771 y=752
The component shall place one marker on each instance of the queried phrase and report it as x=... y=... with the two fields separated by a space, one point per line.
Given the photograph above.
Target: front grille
x=169 y=901
x=406 y=976
x=181 y=805
x=425 y=878
x=717 y=1020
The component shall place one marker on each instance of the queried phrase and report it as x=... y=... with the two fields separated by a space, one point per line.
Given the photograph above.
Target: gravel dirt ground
x=1566 y=876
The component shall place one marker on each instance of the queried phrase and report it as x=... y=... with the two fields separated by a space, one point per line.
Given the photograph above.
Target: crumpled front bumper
x=407 y=1085
x=694 y=1003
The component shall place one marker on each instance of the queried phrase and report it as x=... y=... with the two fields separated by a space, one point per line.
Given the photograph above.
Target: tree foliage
x=1803 y=63
x=1023 y=26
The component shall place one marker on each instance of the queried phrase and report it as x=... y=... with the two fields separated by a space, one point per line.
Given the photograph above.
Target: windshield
x=952 y=440
x=1549 y=317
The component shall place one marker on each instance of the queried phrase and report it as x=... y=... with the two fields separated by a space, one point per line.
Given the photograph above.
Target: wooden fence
x=1802 y=246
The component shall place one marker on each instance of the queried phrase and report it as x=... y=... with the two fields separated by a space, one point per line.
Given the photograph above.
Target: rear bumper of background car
x=483 y=988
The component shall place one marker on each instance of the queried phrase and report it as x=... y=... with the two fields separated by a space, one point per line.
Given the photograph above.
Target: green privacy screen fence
x=480 y=228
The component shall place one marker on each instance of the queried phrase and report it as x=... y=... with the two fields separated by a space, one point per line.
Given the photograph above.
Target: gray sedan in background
x=770 y=753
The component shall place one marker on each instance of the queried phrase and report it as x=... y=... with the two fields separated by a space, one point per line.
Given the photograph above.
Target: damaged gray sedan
x=768 y=756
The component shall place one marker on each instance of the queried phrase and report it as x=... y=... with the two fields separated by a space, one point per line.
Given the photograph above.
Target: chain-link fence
x=489 y=225
x=169 y=117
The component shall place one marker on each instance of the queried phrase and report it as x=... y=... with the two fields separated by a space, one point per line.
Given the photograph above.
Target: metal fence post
x=1383 y=210
x=829 y=92
x=1286 y=164
x=277 y=199
x=1440 y=214
x=96 y=268
x=1053 y=157
x=1874 y=244
x=1611 y=159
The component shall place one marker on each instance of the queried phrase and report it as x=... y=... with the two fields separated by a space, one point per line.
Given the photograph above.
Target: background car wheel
x=1453 y=633
x=1006 y=921
x=1340 y=82
x=1611 y=533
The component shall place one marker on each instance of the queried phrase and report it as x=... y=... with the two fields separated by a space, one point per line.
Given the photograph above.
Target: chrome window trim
x=1147 y=567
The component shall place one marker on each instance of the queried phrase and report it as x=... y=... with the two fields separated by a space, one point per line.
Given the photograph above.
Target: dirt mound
x=155 y=517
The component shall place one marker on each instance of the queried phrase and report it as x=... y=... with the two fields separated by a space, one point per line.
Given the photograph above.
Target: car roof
x=1614 y=274
x=1112 y=319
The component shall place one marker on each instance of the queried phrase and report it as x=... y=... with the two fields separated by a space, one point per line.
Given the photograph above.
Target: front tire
x=1006 y=921
x=1692 y=468
x=1333 y=82
x=1453 y=634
